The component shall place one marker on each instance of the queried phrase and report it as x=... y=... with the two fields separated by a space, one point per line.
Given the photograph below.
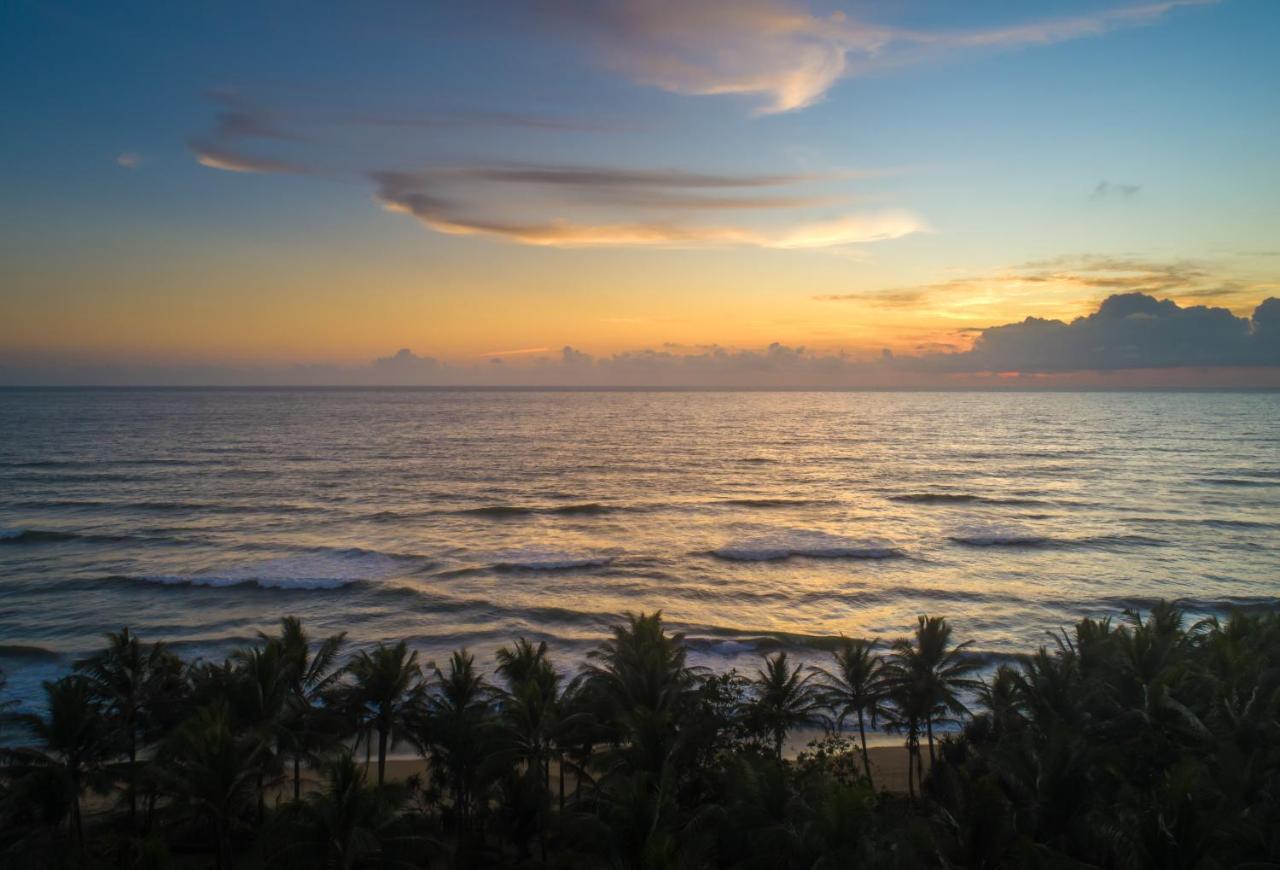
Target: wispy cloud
x=463 y=210
x=1083 y=278
x=230 y=160
x=1106 y=189
x=785 y=55
x=128 y=160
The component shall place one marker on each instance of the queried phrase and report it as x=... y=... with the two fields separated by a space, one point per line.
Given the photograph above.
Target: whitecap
x=809 y=543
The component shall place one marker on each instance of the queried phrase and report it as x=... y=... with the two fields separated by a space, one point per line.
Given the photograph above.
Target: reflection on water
x=751 y=519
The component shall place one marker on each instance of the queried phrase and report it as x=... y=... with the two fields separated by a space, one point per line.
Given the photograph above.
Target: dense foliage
x=1136 y=744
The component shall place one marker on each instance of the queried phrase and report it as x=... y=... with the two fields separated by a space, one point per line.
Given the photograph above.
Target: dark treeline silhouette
x=1143 y=743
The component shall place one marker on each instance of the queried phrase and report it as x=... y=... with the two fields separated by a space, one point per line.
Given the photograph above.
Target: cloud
x=1128 y=331
x=1106 y=189
x=437 y=200
x=573 y=206
x=781 y=53
x=1079 y=280
x=228 y=160
x=1132 y=340
x=128 y=160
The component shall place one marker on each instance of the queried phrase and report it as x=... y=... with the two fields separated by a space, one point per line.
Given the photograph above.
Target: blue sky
x=704 y=171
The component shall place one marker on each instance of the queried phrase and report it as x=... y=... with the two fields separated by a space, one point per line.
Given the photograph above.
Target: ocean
x=753 y=520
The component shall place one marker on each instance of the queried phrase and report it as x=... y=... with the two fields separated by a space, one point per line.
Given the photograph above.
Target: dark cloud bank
x=1131 y=340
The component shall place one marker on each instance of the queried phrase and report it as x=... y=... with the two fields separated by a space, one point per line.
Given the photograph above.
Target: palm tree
x=457 y=729
x=210 y=769
x=138 y=685
x=641 y=678
x=310 y=676
x=531 y=719
x=528 y=704
x=784 y=699
x=854 y=688
x=931 y=672
x=261 y=692
x=76 y=737
x=386 y=694
x=346 y=823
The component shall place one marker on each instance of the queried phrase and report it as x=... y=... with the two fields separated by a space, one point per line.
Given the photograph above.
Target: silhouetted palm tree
x=304 y=728
x=76 y=737
x=345 y=824
x=459 y=708
x=784 y=698
x=853 y=687
x=211 y=770
x=930 y=672
x=385 y=695
x=139 y=686
x=641 y=678
x=262 y=691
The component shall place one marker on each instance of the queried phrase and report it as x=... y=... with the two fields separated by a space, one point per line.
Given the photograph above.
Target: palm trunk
x=866 y=760
x=561 y=770
x=911 y=764
x=382 y=755
x=133 y=781
x=297 y=777
x=75 y=813
x=929 y=729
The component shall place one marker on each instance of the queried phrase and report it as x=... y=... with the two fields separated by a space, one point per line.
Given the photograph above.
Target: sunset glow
x=651 y=178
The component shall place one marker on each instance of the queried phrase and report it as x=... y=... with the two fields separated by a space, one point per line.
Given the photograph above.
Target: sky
x=666 y=193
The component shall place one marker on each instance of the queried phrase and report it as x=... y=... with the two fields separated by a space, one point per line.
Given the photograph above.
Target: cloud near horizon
x=1132 y=339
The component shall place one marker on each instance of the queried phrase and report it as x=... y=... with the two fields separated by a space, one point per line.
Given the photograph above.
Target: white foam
x=812 y=544
x=315 y=571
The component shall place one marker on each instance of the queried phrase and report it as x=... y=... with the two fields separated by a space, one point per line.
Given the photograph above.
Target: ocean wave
x=810 y=544
x=959 y=498
x=771 y=502
x=26 y=652
x=49 y=536
x=331 y=570
x=998 y=537
x=536 y=559
x=1240 y=481
x=500 y=511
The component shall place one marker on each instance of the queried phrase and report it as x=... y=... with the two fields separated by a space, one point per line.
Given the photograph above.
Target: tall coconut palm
x=641 y=678
x=458 y=729
x=528 y=701
x=209 y=769
x=784 y=698
x=532 y=720
x=385 y=694
x=310 y=676
x=139 y=686
x=347 y=823
x=261 y=693
x=854 y=687
x=931 y=672
x=76 y=737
